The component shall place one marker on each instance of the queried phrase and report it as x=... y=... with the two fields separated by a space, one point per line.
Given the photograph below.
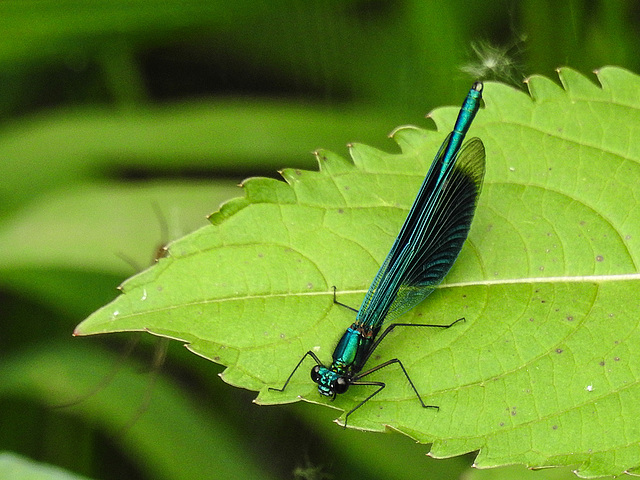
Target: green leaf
x=86 y=143
x=116 y=228
x=18 y=467
x=541 y=373
x=195 y=442
x=57 y=25
x=518 y=471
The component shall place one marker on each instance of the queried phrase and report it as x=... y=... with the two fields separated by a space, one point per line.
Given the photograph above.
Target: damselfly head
x=329 y=382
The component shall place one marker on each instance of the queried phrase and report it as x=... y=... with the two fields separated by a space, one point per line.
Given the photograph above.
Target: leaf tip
x=321 y=155
x=400 y=128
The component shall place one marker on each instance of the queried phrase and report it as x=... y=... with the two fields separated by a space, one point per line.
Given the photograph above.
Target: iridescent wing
x=431 y=237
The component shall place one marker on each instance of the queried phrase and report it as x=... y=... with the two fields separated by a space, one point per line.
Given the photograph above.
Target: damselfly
x=422 y=254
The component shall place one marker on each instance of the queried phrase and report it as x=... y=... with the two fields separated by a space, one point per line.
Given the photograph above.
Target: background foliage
x=125 y=122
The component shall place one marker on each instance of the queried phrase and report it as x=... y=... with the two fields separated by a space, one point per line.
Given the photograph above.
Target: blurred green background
x=125 y=122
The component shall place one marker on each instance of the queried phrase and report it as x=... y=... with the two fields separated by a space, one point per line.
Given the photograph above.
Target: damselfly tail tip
x=477 y=86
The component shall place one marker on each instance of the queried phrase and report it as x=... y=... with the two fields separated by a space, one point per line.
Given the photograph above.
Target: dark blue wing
x=431 y=237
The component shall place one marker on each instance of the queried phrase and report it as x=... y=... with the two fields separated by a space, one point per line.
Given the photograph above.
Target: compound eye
x=340 y=385
x=315 y=374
